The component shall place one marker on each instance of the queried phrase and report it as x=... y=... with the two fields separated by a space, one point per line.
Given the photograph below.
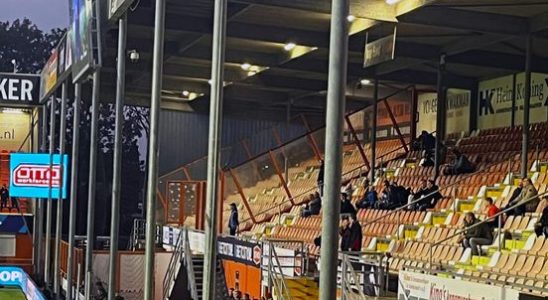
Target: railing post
x=281 y=177
x=270 y=268
x=241 y=192
x=500 y=236
x=358 y=143
x=395 y=124
x=398 y=228
x=343 y=277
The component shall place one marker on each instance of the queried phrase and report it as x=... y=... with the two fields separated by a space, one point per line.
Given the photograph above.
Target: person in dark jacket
x=388 y=196
x=233 y=221
x=346 y=205
x=369 y=199
x=478 y=236
x=460 y=165
x=431 y=196
x=356 y=235
x=320 y=177
x=519 y=210
x=541 y=227
x=4 y=196
x=313 y=207
x=345 y=233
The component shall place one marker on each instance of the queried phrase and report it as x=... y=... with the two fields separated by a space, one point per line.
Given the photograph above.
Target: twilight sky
x=46 y=14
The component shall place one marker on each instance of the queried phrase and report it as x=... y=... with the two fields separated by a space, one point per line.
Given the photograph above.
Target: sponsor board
x=240 y=251
x=14 y=129
x=19 y=89
x=14 y=276
x=417 y=286
x=380 y=50
x=31 y=176
x=48 y=77
x=458 y=111
x=285 y=257
x=496 y=99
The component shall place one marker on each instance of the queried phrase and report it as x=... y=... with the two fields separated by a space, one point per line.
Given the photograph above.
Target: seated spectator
x=344 y=232
x=426 y=142
x=528 y=196
x=428 y=160
x=356 y=235
x=369 y=199
x=430 y=196
x=541 y=227
x=402 y=194
x=491 y=210
x=519 y=210
x=346 y=205
x=389 y=197
x=460 y=165
x=313 y=207
x=421 y=192
x=477 y=236
x=318 y=241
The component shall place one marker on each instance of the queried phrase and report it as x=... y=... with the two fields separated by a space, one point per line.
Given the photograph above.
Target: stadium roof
x=482 y=39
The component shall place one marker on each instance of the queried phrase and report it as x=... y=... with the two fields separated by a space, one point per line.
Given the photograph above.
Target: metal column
x=40 y=203
x=373 y=145
x=440 y=115
x=59 y=221
x=117 y=163
x=90 y=234
x=156 y=97
x=338 y=60
x=73 y=188
x=213 y=155
x=47 y=252
x=526 y=105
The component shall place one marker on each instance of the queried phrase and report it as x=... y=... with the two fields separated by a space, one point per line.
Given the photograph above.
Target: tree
x=28 y=46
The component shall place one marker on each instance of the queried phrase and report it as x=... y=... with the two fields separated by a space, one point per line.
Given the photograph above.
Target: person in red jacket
x=491 y=210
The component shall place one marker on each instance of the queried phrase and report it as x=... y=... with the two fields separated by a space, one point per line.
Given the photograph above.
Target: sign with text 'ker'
x=31 y=175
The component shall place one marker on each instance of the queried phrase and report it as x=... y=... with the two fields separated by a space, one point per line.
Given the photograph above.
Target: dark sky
x=46 y=14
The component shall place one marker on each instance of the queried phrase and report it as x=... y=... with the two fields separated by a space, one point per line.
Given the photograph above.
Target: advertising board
x=418 y=286
x=380 y=50
x=19 y=89
x=48 y=77
x=458 y=111
x=31 y=176
x=240 y=251
x=81 y=45
x=14 y=129
x=14 y=276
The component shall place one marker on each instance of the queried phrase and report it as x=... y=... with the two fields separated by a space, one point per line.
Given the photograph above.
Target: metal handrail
x=288 y=200
x=403 y=207
x=172 y=266
x=281 y=285
x=492 y=218
x=190 y=266
x=345 y=268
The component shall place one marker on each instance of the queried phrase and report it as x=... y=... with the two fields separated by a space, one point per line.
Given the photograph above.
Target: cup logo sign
x=7 y=277
x=257 y=255
x=37 y=175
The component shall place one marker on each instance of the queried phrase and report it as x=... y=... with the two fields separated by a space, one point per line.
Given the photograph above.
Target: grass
x=12 y=294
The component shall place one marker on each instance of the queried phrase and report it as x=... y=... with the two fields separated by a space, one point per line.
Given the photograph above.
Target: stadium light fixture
x=289 y=46
x=351 y=18
x=365 y=82
x=186 y=93
x=392 y=2
x=245 y=66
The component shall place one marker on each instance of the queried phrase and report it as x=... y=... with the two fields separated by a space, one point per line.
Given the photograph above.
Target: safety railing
x=370 y=278
x=275 y=270
x=189 y=265
x=137 y=233
x=492 y=218
x=173 y=266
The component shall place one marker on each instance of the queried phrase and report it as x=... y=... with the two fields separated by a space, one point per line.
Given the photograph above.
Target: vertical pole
x=440 y=115
x=40 y=203
x=59 y=221
x=414 y=112
x=526 y=104
x=513 y=113
x=90 y=234
x=373 y=144
x=338 y=60
x=73 y=187
x=47 y=255
x=117 y=163
x=157 y=69
x=213 y=158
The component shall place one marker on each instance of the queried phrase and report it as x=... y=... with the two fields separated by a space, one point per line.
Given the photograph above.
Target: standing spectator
x=541 y=227
x=14 y=203
x=345 y=234
x=460 y=165
x=491 y=210
x=233 y=221
x=477 y=236
x=346 y=205
x=4 y=196
x=426 y=142
x=356 y=235
x=320 y=177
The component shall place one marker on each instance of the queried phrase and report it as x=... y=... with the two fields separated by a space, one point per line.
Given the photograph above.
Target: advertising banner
x=48 y=77
x=14 y=276
x=379 y=51
x=458 y=111
x=14 y=128
x=289 y=263
x=81 y=45
x=496 y=97
x=65 y=57
x=240 y=251
x=31 y=176
x=19 y=89
x=418 y=286
x=117 y=8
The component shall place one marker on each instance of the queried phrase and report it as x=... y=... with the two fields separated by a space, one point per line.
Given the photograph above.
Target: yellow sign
x=14 y=128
